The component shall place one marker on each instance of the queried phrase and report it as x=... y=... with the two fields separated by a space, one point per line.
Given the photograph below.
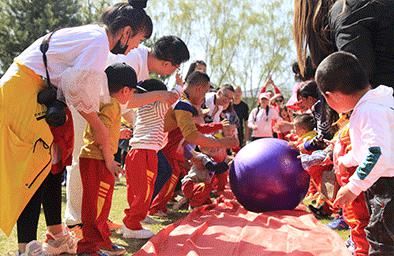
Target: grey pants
x=380 y=229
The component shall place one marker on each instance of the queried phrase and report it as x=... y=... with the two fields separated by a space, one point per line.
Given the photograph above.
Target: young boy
x=98 y=168
x=197 y=184
x=141 y=161
x=344 y=84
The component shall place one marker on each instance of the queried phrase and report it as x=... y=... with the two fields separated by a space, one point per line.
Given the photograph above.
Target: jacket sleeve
x=373 y=131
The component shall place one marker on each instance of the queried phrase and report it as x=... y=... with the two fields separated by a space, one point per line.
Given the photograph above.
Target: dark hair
x=227 y=87
x=171 y=48
x=309 y=70
x=341 y=71
x=308 y=89
x=305 y=121
x=121 y=15
x=197 y=78
x=193 y=66
x=310 y=29
x=120 y=75
x=151 y=85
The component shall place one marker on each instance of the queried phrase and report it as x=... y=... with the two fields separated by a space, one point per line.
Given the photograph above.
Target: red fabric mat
x=226 y=228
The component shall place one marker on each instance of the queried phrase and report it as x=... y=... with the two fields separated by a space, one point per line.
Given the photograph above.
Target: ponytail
x=130 y=14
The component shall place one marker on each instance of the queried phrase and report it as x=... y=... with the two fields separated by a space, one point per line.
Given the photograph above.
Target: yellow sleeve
x=186 y=124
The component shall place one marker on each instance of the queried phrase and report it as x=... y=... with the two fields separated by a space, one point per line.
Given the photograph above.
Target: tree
x=244 y=42
x=23 y=21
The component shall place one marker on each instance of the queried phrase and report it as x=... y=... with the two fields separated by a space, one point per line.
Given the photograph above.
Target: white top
x=77 y=58
x=136 y=58
x=371 y=125
x=262 y=121
x=214 y=110
x=148 y=130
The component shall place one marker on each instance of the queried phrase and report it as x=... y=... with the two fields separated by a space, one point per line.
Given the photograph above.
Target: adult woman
x=76 y=62
x=361 y=27
x=260 y=118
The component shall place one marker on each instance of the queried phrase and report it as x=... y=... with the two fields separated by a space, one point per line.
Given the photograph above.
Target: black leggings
x=50 y=195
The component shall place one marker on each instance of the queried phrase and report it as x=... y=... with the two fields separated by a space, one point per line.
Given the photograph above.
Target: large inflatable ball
x=266 y=175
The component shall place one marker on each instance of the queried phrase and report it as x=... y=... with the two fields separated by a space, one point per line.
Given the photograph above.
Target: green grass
x=118 y=205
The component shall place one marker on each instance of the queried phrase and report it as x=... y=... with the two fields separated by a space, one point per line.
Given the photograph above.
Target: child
x=345 y=85
x=196 y=185
x=98 y=167
x=141 y=161
x=355 y=213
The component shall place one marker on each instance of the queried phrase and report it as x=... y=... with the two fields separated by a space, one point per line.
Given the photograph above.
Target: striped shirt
x=148 y=130
x=149 y=127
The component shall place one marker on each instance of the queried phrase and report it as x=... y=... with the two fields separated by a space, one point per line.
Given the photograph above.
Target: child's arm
x=139 y=100
x=373 y=156
x=101 y=133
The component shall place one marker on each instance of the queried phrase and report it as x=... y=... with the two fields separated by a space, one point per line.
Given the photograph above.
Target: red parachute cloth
x=226 y=228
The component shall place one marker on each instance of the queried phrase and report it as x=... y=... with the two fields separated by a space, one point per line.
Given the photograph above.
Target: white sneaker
x=137 y=234
x=61 y=243
x=150 y=220
x=160 y=213
x=33 y=248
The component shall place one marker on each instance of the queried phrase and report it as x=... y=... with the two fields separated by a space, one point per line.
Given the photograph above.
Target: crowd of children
x=186 y=138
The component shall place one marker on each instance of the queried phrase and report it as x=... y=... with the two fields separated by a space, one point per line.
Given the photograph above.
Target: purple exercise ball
x=266 y=175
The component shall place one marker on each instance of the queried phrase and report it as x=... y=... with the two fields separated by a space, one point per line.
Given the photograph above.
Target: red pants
x=166 y=193
x=197 y=193
x=220 y=181
x=141 y=173
x=357 y=217
x=98 y=186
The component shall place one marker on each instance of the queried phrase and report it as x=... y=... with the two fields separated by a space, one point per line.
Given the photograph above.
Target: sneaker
x=159 y=213
x=76 y=232
x=115 y=250
x=137 y=234
x=60 y=243
x=338 y=224
x=350 y=245
x=180 y=203
x=113 y=226
x=150 y=220
x=318 y=212
x=33 y=248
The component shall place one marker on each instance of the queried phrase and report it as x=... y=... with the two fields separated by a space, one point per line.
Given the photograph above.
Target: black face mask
x=118 y=48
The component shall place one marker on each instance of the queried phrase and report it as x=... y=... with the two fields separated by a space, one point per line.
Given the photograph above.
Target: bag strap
x=44 y=48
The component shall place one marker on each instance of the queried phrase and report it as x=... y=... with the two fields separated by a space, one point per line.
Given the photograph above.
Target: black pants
x=256 y=138
x=49 y=194
x=380 y=229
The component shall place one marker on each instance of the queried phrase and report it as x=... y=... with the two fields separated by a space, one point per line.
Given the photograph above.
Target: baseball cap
x=121 y=74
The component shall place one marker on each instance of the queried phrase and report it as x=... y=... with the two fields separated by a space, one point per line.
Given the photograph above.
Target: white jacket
x=371 y=130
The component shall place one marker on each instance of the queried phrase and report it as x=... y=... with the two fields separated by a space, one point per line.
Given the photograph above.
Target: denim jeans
x=380 y=230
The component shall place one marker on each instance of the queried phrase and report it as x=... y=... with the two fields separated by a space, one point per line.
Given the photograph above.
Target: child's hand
x=178 y=79
x=225 y=123
x=125 y=133
x=114 y=168
x=344 y=197
x=169 y=97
